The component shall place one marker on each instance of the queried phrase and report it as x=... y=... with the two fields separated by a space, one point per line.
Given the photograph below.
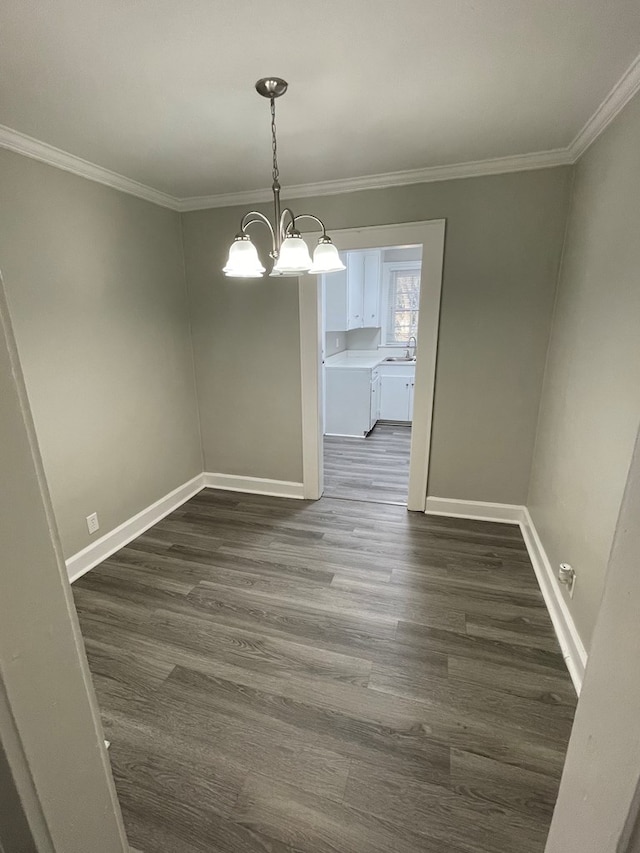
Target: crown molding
x=473 y=169
x=616 y=100
x=618 y=97
x=13 y=140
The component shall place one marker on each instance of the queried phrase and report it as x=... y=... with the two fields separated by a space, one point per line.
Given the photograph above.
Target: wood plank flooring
x=375 y=468
x=330 y=677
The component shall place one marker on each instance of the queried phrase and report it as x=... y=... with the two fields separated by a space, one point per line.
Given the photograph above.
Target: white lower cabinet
x=351 y=400
x=396 y=393
x=375 y=401
x=356 y=398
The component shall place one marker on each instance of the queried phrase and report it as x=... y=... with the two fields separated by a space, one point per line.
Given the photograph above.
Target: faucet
x=415 y=344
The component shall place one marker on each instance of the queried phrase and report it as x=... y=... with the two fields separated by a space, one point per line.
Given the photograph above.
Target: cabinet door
x=394 y=403
x=412 y=388
x=375 y=402
x=355 y=289
x=335 y=302
x=372 y=279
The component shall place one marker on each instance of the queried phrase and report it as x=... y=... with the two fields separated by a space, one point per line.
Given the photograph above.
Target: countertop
x=362 y=359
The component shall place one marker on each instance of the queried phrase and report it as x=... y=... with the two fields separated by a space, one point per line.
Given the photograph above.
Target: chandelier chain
x=274 y=145
x=289 y=251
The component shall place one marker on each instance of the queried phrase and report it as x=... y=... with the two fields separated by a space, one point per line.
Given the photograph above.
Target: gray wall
x=503 y=243
x=246 y=338
x=590 y=407
x=96 y=289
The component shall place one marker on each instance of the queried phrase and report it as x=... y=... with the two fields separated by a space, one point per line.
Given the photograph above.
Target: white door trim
x=310 y=302
x=430 y=234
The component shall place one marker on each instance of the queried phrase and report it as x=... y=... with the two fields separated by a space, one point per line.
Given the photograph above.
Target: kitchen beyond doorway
x=316 y=357
x=370 y=316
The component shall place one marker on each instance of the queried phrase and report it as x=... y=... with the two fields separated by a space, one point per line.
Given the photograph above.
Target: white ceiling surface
x=161 y=91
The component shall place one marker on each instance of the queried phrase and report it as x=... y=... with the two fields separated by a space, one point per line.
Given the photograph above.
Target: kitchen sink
x=401 y=358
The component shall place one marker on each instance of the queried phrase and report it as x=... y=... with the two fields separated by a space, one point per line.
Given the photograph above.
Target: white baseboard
x=571 y=645
x=133 y=527
x=85 y=560
x=254 y=485
x=346 y=435
x=482 y=510
x=573 y=649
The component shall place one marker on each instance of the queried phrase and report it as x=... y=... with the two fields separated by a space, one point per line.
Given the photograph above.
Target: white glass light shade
x=326 y=258
x=294 y=256
x=243 y=260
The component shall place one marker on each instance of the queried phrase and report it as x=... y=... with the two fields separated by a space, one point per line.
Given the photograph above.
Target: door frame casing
x=54 y=761
x=430 y=234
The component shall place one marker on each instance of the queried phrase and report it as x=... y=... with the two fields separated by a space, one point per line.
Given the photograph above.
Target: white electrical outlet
x=92 y=523
x=567 y=576
x=337 y=342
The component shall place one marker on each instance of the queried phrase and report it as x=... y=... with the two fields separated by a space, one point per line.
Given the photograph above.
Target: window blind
x=402 y=306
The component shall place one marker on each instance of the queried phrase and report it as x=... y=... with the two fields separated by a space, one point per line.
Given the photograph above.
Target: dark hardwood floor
x=375 y=468
x=330 y=677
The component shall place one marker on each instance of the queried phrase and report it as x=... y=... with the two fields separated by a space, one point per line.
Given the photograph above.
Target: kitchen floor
x=327 y=677
x=375 y=468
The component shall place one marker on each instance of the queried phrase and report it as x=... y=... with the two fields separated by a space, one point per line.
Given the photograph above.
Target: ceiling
x=161 y=91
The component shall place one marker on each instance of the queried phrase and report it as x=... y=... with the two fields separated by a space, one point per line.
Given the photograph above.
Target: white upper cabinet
x=335 y=301
x=372 y=286
x=355 y=289
x=352 y=297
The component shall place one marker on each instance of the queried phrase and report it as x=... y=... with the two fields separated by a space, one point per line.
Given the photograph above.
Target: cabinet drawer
x=397 y=370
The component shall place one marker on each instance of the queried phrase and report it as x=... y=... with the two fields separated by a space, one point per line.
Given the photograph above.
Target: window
x=401 y=299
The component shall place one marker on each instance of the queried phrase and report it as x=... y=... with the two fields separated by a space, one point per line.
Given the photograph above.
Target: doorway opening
x=410 y=386
x=370 y=317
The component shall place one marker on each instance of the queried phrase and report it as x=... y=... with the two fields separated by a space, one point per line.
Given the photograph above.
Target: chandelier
x=288 y=250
